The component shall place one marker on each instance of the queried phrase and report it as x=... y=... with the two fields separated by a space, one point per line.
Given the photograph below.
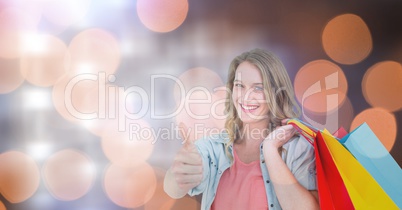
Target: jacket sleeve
x=300 y=158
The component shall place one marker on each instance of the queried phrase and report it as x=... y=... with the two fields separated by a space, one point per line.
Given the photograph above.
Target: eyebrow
x=257 y=83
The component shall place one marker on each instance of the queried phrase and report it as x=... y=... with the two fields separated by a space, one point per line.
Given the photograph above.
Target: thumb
x=183 y=130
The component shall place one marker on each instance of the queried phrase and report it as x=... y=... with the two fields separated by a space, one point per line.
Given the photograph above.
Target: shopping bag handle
x=306 y=130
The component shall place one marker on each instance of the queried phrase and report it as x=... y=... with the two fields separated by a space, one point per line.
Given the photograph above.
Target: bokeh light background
x=344 y=58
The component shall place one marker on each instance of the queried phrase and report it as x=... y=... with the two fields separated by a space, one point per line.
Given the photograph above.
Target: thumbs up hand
x=187 y=142
x=187 y=166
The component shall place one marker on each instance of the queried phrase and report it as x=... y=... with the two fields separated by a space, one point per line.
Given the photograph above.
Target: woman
x=258 y=163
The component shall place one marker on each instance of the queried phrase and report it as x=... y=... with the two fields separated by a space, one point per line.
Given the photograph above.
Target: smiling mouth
x=249 y=108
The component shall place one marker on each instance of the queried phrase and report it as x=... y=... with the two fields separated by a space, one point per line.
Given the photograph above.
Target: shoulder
x=298 y=142
x=212 y=144
x=213 y=140
x=298 y=146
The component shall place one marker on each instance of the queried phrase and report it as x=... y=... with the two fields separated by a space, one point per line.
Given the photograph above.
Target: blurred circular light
x=19 y=176
x=197 y=115
x=113 y=105
x=162 y=16
x=382 y=85
x=104 y=101
x=381 y=122
x=187 y=203
x=32 y=8
x=87 y=98
x=69 y=174
x=130 y=187
x=42 y=63
x=131 y=146
x=10 y=76
x=333 y=120
x=14 y=23
x=160 y=200
x=65 y=12
x=96 y=126
x=70 y=97
x=347 y=39
x=93 y=51
x=320 y=86
x=2 y=206
x=198 y=77
x=200 y=98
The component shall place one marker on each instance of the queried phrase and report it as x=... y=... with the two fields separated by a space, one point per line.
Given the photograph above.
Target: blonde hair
x=278 y=90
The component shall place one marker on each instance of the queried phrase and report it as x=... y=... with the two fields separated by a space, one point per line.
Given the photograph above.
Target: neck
x=252 y=134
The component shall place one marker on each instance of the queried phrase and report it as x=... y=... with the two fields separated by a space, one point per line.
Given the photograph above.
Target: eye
x=238 y=85
x=258 y=88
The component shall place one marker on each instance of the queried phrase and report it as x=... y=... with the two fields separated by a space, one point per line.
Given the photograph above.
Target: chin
x=252 y=119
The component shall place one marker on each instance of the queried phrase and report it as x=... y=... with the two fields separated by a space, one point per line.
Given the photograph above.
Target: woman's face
x=248 y=94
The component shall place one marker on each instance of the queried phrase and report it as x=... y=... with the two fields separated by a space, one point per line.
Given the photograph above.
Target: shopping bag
x=329 y=180
x=364 y=145
x=363 y=190
x=340 y=133
x=332 y=192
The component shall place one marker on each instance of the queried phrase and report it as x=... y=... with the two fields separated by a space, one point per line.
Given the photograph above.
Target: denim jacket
x=298 y=156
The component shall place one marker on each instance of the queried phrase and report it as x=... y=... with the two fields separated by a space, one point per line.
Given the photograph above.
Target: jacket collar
x=222 y=137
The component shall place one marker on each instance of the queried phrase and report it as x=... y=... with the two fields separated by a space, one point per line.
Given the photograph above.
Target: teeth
x=248 y=107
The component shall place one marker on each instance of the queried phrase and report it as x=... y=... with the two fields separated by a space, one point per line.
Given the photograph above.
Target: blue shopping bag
x=364 y=145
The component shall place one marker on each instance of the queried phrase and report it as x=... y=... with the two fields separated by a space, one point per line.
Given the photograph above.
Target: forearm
x=290 y=193
x=171 y=187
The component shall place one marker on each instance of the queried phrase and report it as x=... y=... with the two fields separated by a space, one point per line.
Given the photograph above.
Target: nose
x=248 y=95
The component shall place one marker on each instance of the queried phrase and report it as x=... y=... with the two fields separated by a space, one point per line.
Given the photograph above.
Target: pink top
x=241 y=187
